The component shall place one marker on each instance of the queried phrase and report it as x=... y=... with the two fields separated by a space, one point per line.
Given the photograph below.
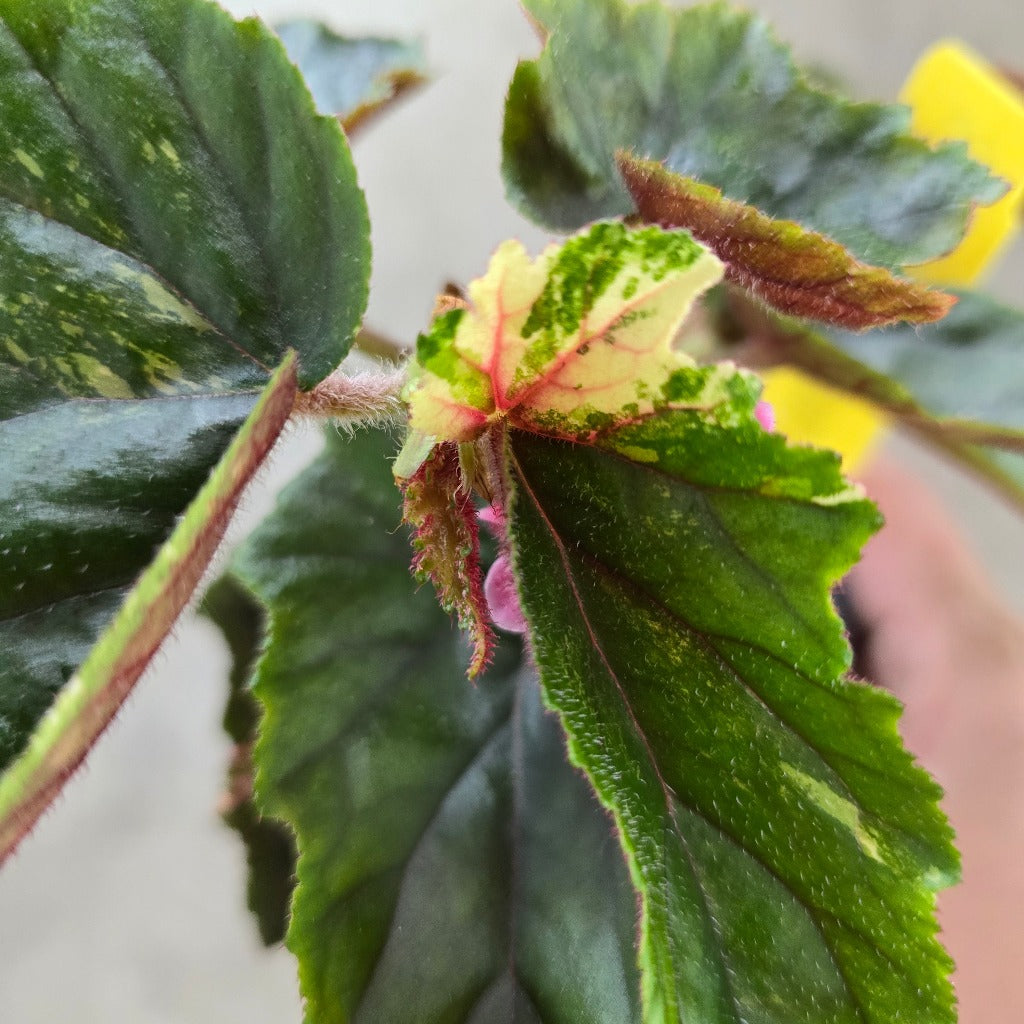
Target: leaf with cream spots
x=175 y=219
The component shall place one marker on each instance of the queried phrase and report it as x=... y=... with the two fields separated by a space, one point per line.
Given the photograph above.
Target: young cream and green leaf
x=674 y=562
x=569 y=343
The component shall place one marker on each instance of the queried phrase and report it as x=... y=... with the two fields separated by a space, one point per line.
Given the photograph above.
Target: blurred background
x=128 y=903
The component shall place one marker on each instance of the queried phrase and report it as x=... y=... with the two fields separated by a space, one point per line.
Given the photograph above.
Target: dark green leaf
x=174 y=217
x=453 y=868
x=352 y=78
x=677 y=580
x=269 y=844
x=968 y=368
x=969 y=365
x=242 y=621
x=712 y=93
x=88 y=492
x=86 y=705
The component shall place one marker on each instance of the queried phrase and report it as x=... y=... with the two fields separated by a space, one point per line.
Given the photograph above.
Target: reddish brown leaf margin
x=788 y=267
x=398 y=83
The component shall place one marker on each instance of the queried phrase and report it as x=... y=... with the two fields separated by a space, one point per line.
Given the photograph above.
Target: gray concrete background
x=127 y=905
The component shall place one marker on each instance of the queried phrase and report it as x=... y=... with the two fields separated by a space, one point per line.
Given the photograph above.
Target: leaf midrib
x=638 y=731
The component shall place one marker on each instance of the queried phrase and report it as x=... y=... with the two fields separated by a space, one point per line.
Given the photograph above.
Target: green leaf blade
x=712 y=93
x=967 y=368
x=453 y=867
x=958 y=383
x=682 y=626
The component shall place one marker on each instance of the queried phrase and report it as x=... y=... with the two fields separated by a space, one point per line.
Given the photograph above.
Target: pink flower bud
x=765 y=415
x=502 y=597
x=491 y=517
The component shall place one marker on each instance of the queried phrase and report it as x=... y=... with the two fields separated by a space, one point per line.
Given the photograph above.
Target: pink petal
x=502 y=597
x=491 y=517
x=765 y=415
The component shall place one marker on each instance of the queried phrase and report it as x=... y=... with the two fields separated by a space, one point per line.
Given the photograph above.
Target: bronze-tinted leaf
x=795 y=270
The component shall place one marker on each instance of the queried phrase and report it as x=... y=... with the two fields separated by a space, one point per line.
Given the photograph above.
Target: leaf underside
x=353 y=79
x=174 y=218
x=453 y=867
x=676 y=577
x=710 y=92
x=796 y=271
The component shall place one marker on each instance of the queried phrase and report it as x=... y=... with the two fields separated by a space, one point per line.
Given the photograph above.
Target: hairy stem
x=363 y=398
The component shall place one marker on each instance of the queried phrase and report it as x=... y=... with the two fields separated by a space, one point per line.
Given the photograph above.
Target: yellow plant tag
x=952 y=94
x=809 y=412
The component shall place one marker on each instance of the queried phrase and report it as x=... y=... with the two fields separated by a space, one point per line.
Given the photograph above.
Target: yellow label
x=952 y=95
x=809 y=412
